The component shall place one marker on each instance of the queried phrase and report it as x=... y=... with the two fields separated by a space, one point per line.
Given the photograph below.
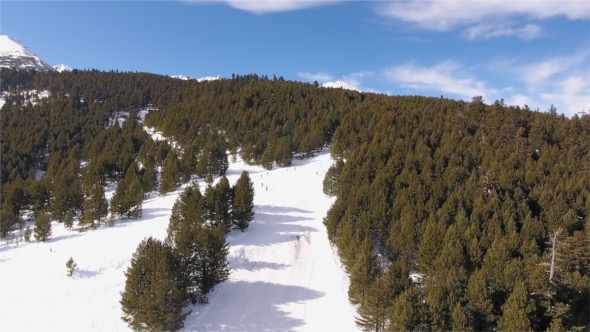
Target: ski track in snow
x=284 y=273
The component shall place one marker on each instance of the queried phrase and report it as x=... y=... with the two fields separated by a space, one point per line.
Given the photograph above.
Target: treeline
x=489 y=203
x=164 y=277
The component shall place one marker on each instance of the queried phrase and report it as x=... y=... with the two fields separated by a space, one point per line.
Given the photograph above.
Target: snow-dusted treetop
x=340 y=85
x=13 y=54
x=202 y=79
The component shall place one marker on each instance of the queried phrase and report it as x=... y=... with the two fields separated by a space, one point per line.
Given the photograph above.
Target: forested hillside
x=489 y=204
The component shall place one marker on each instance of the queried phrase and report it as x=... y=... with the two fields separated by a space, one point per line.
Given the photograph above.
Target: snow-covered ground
x=284 y=273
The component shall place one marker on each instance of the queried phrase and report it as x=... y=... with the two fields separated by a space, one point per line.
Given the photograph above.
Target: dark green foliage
x=171 y=174
x=516 y=310
x=218 y=204
x=66 y=194
x=42 y=227
x=95 y=207
x=128 y=198
x=463 y=188
x=466 y=194
x=213 y=157
x=364 y=272
x=243 y=202
x=8 y=220
x=199 y=244
x=70 y=267
x=331 y=179
x=153 y=299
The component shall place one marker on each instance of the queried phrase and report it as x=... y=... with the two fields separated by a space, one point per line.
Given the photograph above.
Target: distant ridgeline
x=489 y=204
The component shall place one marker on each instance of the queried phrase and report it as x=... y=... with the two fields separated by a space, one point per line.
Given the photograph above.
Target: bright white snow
x=13 y=48
x=340 y=85
x=62 y=68
x=285 y=275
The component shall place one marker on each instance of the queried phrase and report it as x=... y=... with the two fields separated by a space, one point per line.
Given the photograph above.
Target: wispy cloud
x=321 y=77
x=539 y=73
x=444 y=77
x=487 y=31
x=356 y=79
x=561 y=80
x=274 y=6
x=446 y=15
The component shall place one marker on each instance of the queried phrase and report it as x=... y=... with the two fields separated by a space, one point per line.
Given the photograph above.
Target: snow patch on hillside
x=32 y=96
x=284 y=274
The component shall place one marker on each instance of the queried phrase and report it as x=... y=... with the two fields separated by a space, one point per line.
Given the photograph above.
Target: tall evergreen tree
x=128 y=198
x=516 y=310
x=42 y=227
x=200 y=246
x=95 y=206
x=152 y=299
x=243 y=202
x=171 y=173
x=365 y=270
x=374 y=310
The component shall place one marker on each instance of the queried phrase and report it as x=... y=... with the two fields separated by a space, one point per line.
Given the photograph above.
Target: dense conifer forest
x=486 y=205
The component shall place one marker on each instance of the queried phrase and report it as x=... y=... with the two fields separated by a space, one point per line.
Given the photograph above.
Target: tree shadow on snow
x=273 y=225
x=251 y=306
x=147 y=214
x=85 y=274
x=273 y=209
x=239 y=261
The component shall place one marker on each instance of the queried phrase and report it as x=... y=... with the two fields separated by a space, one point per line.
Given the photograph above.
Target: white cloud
x=443 y=77
x=570 y=94
x=273 y=6
x=519 y=100
x=539 y=73
x=560 y=80
x=486 y=31
x=320 y=77
x=355 y=79
x=445 y=15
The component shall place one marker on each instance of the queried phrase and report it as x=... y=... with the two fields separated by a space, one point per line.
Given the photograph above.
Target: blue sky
x=532 y=52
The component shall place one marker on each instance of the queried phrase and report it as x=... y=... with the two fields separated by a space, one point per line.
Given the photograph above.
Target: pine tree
x=213 y=251
x=224 y=203
x=243 y=202
x=95 y=207
x=374 y=310
x=171 y=173
x=516 y=310
x=365 y=270
x=330 y=183
x=153 y=299
x=409 y=312
x=218 y=204
x=70 y=267
x=8 y=220
x=128 y=198
x=201 y=248
x=42 y=227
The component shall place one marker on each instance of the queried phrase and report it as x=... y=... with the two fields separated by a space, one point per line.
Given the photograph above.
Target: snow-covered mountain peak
x=14 y=54
x=339 y=84
x=62 y=68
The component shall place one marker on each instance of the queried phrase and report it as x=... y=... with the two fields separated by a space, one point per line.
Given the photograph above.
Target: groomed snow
x=284 y=273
